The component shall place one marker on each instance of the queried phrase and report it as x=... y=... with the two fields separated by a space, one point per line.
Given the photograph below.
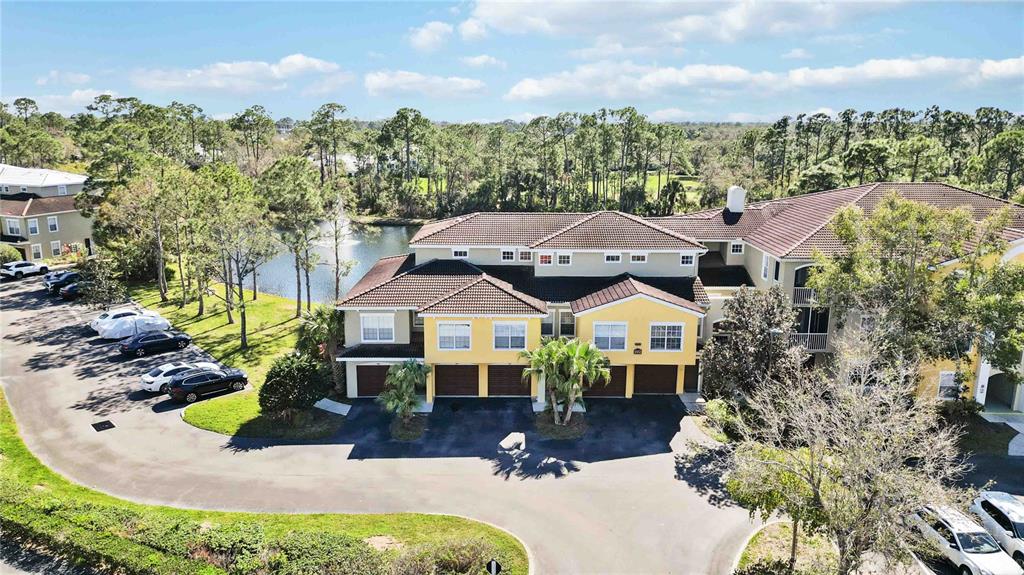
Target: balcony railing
x=811 y=341
x=803 y=296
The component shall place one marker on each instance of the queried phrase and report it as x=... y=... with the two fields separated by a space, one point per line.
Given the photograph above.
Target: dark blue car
x=194 y=383
x=54 y=284
x=154 y=342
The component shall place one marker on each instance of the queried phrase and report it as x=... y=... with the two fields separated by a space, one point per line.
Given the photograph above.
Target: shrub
x=9 y=254
x=960 y=409
x=723 y=416
x=403 y=381
x=301 y=553
x=449 y=558
x=766 y=567
x=294 y=382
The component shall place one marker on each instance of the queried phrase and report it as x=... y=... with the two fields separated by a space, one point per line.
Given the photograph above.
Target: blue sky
x=486 y=60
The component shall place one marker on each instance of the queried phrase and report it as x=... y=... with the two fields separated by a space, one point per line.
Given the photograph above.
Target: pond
x=362 y=244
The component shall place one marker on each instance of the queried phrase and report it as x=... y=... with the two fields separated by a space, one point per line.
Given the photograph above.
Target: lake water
x=362 y=244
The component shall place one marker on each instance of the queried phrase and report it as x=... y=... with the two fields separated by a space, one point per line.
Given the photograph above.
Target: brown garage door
x=615 y=388
x=506 y=380
x=370 y=379
x=654 y=379
x=690 y=377
x=456 y=380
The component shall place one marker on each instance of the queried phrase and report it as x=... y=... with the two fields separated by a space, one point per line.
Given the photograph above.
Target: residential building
x=39 y=215
x=479 y=288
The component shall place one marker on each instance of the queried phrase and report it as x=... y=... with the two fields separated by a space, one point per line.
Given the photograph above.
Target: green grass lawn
x=985 y=438
x=21 y=471
x=815 y=554
x=272 y=331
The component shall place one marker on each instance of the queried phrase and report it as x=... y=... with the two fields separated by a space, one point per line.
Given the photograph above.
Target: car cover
x=123 y=327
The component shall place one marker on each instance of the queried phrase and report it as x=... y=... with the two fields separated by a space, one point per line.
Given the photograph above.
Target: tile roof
x=414 y=287
x=627 y=287
x=384 y=269
x=615 y=230
x=37 y=177
x=486 y=295
x=382 y=350
x=564 y=289
x=494 y=228
x=36 y=206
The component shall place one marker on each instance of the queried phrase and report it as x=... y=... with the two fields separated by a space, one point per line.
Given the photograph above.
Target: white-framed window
x=460 y=254
x=666 y=337
x=24 y=189
x=51 y=223
x=637 y=258
x=686 y=260
x=62 y=190
x=610 y=336
x=736 y=248
x=525 y=256
x=948 y=387
x=37 y=251
x=13 y=227
x=508 y=255
x=564 y=259
x=510 y=335
x=764 y=266
x=417 y=320
x=453 y=335
x=7 y=189
x=33 y=227
x=55 y=248
x=612 y=258
x=377 y=327
x=566 y=323
x=545 y=259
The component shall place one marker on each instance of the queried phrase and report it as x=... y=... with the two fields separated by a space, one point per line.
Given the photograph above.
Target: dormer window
x=460 y=254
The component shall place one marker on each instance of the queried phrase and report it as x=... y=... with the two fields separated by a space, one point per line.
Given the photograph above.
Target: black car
x=73 y=291
x=153 y=342
x=54 y=284
x=194 y=383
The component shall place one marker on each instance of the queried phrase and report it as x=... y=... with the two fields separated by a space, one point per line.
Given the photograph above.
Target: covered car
x=128 y=326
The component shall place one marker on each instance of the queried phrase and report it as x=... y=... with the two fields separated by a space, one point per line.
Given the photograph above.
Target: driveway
x=619 y=501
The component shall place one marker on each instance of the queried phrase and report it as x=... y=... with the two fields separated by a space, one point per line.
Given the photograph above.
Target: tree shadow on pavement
x=702 y=469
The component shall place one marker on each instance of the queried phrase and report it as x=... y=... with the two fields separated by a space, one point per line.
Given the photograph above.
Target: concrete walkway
x=590 y=508
x=1014 y=420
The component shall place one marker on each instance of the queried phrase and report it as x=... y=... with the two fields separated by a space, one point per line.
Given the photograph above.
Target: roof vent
x=736 y=198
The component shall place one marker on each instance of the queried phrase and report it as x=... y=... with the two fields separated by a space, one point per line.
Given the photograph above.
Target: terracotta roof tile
x=494 y=228
x=385 y=269
x=629 y=287
x=13 y=207
x=485 y=296
x=50 y=205
x=417 y=286
x=615 y=230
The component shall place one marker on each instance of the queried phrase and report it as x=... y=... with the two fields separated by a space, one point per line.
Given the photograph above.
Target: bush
x=723 y=416
x=301 y=553
x=294 y=382
x=449 y=558
x=960 y=409
x=766 y=567
x=8 y=253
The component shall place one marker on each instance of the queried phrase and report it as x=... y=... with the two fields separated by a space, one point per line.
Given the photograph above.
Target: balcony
x=811 y=341
x=803 y=296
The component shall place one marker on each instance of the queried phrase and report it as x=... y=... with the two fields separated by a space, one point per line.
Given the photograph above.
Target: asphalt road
x=625 y=501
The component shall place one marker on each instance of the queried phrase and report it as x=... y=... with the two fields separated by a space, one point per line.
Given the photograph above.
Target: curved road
x=592 y=510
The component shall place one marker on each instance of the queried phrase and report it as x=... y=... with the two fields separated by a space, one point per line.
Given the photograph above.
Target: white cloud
x=240 y=77
x=797 y=54
x=612 y=79
x=472 y=29
x=430 y=36
x=671 y=115
x=401 y=82
x=328 y=84
x=71 y=103
x=483 y=60
x=59 y=77
x=606 y=47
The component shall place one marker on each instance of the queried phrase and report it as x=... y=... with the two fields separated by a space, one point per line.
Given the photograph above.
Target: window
x=62 y=190
x=526 y=256
x=24 y=189
x=638 y=258
x=948 y=387
x=378 y=327
x=417 y=320
x=37 y=251
x=612 y=258
x=700 y=328
x=460 y=254
x=764 y=266
x=564 y=259
x=510 y=335
x=736 y=248
x=13 y=227
x=778 y=270
x=686 y=260
x=51 y=223
x=610 y=336
x=666 y=336
x=566 y=324
x=545 y=259
x=547 y=325
x=55 y=248
x=453 y=336
x=997 y=516
x=508 y=255
x=33 y=227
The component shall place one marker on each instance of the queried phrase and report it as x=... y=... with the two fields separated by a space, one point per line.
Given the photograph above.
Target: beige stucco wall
x=42 y=191
x=593 y=264
x=353 y=327
x=72 y=227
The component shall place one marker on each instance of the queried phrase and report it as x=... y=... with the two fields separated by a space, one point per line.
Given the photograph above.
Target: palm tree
x=545 y=362
x=321 y=334
x=401 y=386
x=569 y=367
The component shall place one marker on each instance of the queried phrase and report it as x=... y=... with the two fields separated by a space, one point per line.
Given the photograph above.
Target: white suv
x=1002 y=515
x=963 y=542
x=21 y=269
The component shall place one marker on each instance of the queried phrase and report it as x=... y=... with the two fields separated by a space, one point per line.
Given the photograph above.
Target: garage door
x=690 y=377
x=659 y=379
x=615 y=388
x=370 y=379
x=506 y=380
x=456 y=380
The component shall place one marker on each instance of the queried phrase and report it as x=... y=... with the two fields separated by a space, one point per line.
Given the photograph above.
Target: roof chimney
x=736 y=198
